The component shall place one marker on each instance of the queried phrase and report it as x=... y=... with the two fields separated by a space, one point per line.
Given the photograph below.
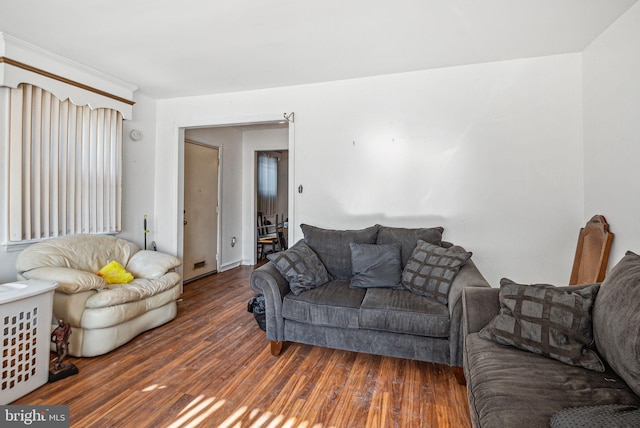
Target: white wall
x=611 y=66
x=229 y=140
x=492 y=152
x=138 y=173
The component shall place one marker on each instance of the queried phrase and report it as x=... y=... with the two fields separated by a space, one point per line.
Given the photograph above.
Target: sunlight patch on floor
x=197 y=411
x=153 y=388
x=235 y=416
x=195 y=414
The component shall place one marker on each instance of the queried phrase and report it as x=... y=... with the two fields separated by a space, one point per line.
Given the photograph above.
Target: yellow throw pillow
x=114 y=273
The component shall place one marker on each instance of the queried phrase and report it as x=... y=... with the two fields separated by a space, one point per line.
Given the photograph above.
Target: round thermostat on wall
x=135 y=135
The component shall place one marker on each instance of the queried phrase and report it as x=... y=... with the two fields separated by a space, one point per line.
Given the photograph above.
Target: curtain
x=65 y=167
x=267 y=183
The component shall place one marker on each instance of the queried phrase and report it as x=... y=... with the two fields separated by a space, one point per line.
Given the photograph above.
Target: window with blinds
x=65 y=167
x=267 y=183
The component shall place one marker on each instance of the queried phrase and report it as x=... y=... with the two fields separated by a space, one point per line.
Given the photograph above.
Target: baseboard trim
x=229 y=266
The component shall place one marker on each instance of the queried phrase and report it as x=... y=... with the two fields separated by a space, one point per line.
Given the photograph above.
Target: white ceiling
x=171 y=48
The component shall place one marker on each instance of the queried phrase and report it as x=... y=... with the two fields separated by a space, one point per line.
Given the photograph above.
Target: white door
x=200 y=210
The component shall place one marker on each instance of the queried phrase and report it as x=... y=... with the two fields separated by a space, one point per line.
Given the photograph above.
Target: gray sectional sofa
x=540 y=356
x=347 y=289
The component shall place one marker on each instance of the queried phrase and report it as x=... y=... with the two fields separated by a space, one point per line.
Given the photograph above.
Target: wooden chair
x=592 y=252
x=267 y=236
x=282 y=235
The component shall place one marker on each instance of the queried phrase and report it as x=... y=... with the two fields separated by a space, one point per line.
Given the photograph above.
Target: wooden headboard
x=592 y=252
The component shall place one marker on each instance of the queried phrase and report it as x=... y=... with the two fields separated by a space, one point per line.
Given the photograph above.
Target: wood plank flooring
x=212 y=367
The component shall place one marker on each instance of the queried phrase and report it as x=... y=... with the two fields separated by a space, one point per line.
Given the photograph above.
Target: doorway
x=272 y=199
x=237 y=143
x=200 y=215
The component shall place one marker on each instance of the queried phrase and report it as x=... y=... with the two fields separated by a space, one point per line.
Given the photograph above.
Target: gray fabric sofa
x=512 y=387
x=383 y=319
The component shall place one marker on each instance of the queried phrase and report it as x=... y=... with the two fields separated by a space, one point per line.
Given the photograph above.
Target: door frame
x=248 y=229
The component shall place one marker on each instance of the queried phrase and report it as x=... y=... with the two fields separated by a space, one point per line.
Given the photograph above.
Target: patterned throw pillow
x=546 y=320
x=431 y=270
x=376 y=266
x=301 y=266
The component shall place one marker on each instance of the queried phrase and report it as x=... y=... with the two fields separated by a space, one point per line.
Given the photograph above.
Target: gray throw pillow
x=431 y=269
x=376 y=266
x=301 y=267
x=408 y=238
x=332 y=246
x=616 y=317
x=547 y=320
x=605 y=416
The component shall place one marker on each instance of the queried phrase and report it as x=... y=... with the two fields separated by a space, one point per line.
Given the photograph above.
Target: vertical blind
x=65 y=167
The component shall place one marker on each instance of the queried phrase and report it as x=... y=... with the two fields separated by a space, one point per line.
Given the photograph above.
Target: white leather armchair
x=103 y=316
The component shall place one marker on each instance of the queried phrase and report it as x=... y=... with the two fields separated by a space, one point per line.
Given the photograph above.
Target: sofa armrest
x=468 y=277
x=480 y=306
x=69 y=280
x=267 y=281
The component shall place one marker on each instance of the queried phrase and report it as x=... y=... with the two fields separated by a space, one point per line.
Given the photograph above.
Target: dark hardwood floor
x=212 y=367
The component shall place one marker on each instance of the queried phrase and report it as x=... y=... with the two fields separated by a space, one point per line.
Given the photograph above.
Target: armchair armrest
x=468 y=277
x=69 y=280
x=267 y=281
